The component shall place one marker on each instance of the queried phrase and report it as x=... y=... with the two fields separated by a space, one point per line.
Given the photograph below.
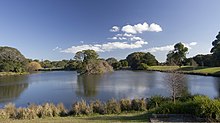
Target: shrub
x=79 y=108
x=10 y=109
x=3 y=114
x=113 y=107
x=45 y=111
x=98 y=107
x=156 y=101
x=62 y=109
x=138 y=104
x=125 y=104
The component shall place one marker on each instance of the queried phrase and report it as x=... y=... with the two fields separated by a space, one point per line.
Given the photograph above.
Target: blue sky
x=56 y=29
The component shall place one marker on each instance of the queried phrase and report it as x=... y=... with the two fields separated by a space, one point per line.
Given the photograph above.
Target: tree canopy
x=137 y=59
x=11 y=60
x=90 y=63
x=216 y=50
x=178 y=55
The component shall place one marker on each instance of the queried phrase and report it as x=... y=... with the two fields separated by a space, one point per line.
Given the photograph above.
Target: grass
x=124 y=117
x=215 y=71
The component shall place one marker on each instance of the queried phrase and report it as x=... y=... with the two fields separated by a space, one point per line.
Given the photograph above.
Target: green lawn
x=189 y=69
x=125 y=117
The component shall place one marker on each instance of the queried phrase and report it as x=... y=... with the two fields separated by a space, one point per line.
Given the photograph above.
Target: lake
x=68 y=87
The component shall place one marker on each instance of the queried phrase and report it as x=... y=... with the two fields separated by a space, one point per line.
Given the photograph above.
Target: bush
x=125 y=104
x=62 y=109
x=156 y=101
x=113 y=107
x=98 y=107
x=25 y=113
x=138 y=105
x=3 y=114
x=45 y=111
x=80 y=108
x=10 y=110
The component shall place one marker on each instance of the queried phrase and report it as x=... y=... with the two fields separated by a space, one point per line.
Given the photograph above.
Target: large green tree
x=216 y=50
x=86 y=55
x=90 y=63
x=178 y=55
x=137 y=59
x=11 y=60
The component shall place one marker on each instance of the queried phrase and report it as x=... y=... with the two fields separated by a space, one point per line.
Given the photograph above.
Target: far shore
x=203 y=71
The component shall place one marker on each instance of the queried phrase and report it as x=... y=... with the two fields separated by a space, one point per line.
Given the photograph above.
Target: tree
x=111 y=60
x=114 y=63
x=216 y=50
x=135 y=59
x=124 y=63
x=90 y=63
x=204 y=60
x=178 y=55
x=86 y=55
x=176 y=84
x=33 y=66
x=11 y=60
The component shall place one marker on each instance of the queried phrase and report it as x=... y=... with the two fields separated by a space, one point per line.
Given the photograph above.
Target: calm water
x=67 y=87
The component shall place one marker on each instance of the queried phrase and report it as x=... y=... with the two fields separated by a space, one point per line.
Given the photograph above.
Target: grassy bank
x=212 y=71
x=124 y=117
x=12 y=73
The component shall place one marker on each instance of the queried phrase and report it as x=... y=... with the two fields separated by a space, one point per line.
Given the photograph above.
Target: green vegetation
x=178 y=55
x=11 y=60
x=216 y=50
x=214 y=71
x=123 y=110
x=139 y=60
x=91 y=64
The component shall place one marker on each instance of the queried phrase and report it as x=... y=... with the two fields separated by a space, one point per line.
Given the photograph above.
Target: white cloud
x=193 y=43
x=162 y=48
x=106 y=47
x=155 y=28
x=126 y=36
x=57 y=48
x=114 y=29
x=168 y=47
x=140 y=28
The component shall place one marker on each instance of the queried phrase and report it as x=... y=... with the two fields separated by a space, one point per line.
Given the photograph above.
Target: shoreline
x=12 y=73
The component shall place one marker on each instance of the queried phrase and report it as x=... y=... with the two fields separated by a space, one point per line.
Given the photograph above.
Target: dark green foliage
x=200 y=106
x=216 y=50
x=113 y=107
x=111 y=60
x=178 y=55
x=204 y=60
x=11 y=60
x=124 y=63
x=125 y=104
x=139 y=105
x=86 y=55
x=98 y=107
x=135 y=59
x=156 y=101
x=91 y=64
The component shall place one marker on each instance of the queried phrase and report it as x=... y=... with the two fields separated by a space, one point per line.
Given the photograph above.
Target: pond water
x=68 y=87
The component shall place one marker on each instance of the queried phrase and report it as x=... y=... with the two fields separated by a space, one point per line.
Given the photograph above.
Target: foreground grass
x=11 y=73
x=124 y=117
x=215 y=71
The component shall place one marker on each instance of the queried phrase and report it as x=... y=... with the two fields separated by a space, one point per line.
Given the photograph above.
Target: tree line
x=11 y=60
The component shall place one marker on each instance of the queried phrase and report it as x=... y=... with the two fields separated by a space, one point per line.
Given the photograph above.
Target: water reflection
x=217 y=85
x=12 y=87
x=87 y=85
